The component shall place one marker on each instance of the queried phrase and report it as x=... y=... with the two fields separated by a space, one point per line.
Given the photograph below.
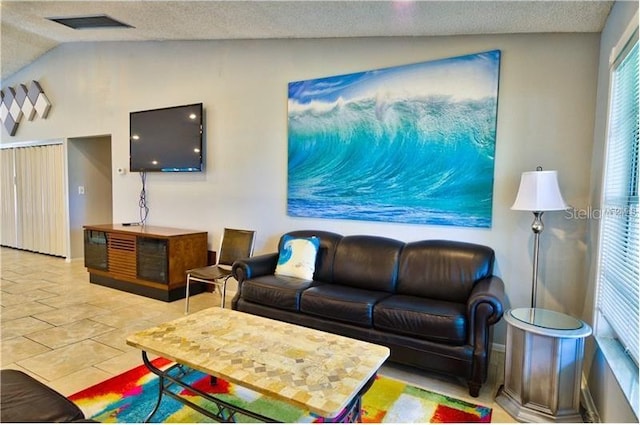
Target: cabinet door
x=152 y=262
x=95 y=250
x=122 y=256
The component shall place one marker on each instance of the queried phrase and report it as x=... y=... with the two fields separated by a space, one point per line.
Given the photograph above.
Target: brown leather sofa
x=24 y=399
x=432 y=302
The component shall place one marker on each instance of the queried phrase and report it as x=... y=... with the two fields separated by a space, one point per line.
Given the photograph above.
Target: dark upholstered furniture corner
x=432 y=302
x=24 y=399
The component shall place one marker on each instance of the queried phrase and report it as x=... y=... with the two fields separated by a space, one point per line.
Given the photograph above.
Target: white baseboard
x=498 y=348
x=591 y=415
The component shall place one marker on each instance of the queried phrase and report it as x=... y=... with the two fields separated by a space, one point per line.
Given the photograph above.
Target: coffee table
x=321 y=372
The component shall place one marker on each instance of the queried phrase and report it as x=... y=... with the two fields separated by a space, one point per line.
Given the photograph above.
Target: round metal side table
x=543 y=366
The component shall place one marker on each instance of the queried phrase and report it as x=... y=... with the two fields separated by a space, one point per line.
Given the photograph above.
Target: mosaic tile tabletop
x=316 y=370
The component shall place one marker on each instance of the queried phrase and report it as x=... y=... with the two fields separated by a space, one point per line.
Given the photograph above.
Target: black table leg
x=160 y=374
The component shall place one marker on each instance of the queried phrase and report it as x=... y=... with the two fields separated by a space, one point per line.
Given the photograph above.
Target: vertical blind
x=619 y=270
x=33 y=199
x=8 y=232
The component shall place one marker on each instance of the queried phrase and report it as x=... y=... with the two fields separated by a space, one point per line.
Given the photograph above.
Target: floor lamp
x=538 y=192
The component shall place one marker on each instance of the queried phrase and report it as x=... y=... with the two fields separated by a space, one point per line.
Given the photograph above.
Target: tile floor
x=70 y=334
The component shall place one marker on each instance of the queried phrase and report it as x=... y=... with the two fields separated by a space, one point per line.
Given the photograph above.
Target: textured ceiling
x=26 y=33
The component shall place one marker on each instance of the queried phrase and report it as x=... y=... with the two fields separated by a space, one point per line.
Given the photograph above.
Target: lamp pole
x=537 y=227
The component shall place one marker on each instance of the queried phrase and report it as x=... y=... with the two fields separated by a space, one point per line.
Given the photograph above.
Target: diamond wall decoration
x=12 y=103
x=22 y=102
x=27 y=107
x=39 y=100
x=4 y=111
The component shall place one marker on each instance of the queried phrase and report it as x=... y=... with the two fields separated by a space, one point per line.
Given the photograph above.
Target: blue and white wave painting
x=408 y=144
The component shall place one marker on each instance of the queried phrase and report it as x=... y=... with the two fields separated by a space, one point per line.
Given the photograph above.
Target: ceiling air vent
x=90 y=22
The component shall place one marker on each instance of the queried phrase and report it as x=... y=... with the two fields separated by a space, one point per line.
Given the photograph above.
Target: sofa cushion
x=443 y=270
x=297 y=257
x=351 y=305
x=424 y=318
x=367 y=262
x=275 y=291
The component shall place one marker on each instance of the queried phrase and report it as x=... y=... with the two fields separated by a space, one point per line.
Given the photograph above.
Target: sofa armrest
x=259 y=265
x=484 y=309
x=246 y=268
x=491 y=292
x=25 y=399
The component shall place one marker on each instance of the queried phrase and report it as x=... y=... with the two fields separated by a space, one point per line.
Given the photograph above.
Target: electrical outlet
x=80 y=190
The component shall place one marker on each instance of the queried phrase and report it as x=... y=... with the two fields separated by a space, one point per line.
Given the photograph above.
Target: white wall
x=545 y=117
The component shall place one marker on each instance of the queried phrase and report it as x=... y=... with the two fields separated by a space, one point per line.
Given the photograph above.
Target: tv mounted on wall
x=166 y=139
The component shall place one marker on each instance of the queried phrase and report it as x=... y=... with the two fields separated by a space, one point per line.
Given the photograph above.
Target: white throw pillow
x=297 y=258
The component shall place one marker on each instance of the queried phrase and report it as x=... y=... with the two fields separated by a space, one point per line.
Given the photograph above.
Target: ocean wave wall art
x=408 y=144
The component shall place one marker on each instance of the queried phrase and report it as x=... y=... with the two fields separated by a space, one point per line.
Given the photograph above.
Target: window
x=619 y=254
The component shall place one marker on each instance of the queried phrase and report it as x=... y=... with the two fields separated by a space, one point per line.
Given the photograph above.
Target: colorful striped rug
x=130 y=397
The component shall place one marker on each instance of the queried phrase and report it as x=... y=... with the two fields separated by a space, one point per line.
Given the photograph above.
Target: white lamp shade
x=539 y=191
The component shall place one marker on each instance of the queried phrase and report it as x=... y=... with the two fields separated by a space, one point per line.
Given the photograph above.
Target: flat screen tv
x=166 y=139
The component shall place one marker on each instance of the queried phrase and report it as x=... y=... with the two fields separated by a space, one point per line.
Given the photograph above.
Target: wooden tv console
x=145 y=260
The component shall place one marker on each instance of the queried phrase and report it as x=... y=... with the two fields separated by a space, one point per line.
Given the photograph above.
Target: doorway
x=89 y=187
